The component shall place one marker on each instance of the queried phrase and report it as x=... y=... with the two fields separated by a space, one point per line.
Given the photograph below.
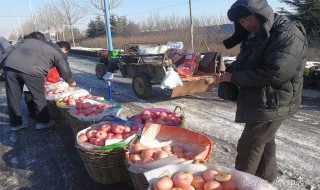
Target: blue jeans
x=14 y=82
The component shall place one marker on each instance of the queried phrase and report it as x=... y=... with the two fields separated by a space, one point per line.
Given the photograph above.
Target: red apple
x=229 y=185
x=134 y=128
x=183 y=179
x=110 y=135
x=198 y=182
x=101 y=134
x=91 y=133
x=212 y=185
x=117 y=128
x=209 y=174
x=127 y=129
x=117 y=136
x=83 y=138
x=100 y=141
x=137 y=148
x=106 y=127
x=163 y=183
x=148 y=152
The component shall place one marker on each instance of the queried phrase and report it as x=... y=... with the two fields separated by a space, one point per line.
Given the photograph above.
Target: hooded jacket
x=269 y=68
x=36 y=57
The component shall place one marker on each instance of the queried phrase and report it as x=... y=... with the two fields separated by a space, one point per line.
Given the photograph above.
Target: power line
x=161 y=8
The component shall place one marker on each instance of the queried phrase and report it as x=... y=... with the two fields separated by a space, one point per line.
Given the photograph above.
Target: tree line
x=61 y=17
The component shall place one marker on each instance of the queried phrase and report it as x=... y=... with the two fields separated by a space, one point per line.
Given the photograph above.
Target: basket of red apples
x=102 y=148
x=70 y=101
x=160 y=116
x=203 y=176
x=53 y=95
x=161 y=145
x=90 y=111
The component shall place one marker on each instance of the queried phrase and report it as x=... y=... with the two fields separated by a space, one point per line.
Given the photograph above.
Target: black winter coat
x=269 y=72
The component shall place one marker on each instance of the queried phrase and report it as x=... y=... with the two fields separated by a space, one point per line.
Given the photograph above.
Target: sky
x=14 y=12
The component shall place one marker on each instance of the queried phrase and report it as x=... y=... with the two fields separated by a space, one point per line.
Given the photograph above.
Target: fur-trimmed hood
x=244 y=8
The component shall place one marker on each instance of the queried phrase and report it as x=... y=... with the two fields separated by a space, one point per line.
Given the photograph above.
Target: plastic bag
x=171 y=79
x=190 y=65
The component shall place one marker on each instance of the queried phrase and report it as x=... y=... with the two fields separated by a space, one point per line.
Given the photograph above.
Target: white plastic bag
x=171 y=79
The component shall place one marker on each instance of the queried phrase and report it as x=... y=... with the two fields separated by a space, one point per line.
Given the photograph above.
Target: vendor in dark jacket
x=269 y=74
x=27 y=65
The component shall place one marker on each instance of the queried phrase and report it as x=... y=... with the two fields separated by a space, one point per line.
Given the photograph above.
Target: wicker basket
x=64 y=112
x=105 y=167
x=139 y=181
x=54 y=111
x=78 y=125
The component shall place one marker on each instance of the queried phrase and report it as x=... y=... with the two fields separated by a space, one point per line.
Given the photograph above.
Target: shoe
x=19 y=127
x=44 y=125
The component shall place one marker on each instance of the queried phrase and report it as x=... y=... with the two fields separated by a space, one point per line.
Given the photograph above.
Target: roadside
x=47 y=159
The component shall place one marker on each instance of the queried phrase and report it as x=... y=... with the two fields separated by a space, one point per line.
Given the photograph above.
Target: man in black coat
x=269 y=74
x=28 y=64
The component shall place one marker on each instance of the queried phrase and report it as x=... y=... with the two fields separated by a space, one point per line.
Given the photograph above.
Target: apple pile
x=56 y=91
x=166 y=118
x=99 y=134
x=141 y=154
x=72 y=99
x=88 y=109
x=184 y=180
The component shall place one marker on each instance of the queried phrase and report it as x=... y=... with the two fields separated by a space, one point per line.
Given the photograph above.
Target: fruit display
x=99 y=134
x=71 y=100
x=60 y=84
x=188 y=181
x=203 y=176
x=159 y=116
x=161 y=145
x=88 y=108
x=58 y=93
x=141 y=154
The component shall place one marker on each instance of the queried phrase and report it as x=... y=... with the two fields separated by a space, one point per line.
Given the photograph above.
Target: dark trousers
x=257 y=150
x=14 y=82
x=30 y=104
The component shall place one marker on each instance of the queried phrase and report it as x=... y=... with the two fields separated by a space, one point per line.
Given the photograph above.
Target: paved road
x=47 y=159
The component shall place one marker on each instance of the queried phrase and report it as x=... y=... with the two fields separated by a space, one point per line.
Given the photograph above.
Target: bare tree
x=97 y=7
x=69 y=11
x=44 y=18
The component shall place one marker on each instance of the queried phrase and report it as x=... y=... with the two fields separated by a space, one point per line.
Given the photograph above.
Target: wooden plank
x=196 y=86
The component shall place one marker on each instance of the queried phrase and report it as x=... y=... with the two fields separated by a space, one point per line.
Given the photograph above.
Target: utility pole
x=108 y=28
x=191 y=23
x=34 y=20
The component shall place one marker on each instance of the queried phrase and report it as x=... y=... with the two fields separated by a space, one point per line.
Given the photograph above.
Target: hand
x=225 y=77
x=73 y=84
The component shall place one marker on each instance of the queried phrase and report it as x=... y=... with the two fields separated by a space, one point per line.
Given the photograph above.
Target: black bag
x=228 y=91
x=211 y=63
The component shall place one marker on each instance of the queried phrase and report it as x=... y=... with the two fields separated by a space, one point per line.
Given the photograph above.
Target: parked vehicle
x=4 y=44
x=111 y=61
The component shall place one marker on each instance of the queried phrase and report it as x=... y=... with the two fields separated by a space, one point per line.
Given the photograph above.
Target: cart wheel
x=103 y=60
x=142 y=86
x=101 y=70
x=123 y=71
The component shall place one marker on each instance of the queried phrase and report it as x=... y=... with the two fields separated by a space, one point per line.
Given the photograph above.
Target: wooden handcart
x=149 y=70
